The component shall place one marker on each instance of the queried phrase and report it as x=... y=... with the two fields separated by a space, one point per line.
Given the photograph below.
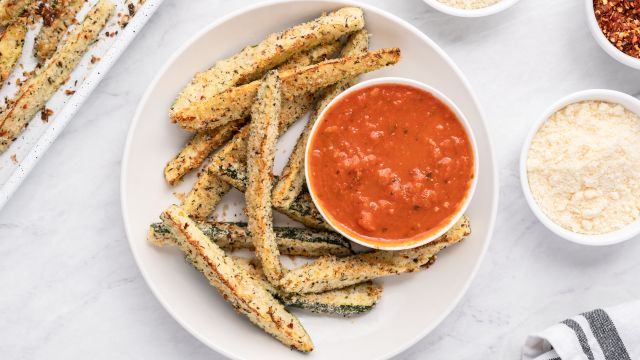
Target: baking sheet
x=24 y=153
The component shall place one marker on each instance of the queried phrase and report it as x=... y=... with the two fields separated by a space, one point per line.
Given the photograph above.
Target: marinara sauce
x=390 y=164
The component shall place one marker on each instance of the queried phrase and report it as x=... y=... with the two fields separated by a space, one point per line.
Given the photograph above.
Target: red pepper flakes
x=619 y=21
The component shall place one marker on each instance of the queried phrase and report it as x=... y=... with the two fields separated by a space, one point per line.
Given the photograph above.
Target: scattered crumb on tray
x=45 y=114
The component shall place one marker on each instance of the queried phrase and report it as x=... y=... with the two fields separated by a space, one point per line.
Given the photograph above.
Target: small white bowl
x=440 y=96
x=469 y=13
x=626 y=233
x=604 y=43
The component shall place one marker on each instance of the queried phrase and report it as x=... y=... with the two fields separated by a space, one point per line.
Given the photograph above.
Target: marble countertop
x=71 y=289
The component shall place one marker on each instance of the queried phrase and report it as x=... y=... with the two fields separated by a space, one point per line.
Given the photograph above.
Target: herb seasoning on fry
x=619 y=21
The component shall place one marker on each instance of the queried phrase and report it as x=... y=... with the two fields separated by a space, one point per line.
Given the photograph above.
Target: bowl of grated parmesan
x=580 y=167
x=471 y=8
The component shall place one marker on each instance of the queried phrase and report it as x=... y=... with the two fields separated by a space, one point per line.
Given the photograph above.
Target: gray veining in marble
x=70 y=287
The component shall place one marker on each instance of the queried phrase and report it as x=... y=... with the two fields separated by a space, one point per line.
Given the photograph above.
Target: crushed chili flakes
x=619 y=21
x=14 y=158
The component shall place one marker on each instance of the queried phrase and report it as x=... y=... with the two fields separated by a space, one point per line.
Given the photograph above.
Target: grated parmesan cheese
x=584 y=167
x=469 y=4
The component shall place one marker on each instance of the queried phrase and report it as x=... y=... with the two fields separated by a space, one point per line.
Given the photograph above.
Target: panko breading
x=236 y=102
x=327 y=273
x=11 y=43
x=253 y=61
x=57 y=16
x=261 y=152
x=245 y=294
x=198 y=148
x=203 y=143
x=12 y=9
x=37 y=90
x=291 y=241
x=349 y=301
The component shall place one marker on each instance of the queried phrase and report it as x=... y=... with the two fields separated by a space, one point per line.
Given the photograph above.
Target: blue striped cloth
x=609 y=334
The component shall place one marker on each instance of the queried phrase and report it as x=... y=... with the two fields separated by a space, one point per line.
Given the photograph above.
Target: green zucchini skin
x=291 y=241
x=352 y=300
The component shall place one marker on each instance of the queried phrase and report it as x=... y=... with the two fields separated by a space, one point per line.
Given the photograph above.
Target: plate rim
x=265 y=4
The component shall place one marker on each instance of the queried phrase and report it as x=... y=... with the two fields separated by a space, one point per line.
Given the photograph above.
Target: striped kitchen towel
x=610 y=334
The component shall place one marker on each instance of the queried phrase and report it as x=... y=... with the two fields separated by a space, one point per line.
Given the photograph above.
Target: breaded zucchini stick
x=193 y=154
x=205 y=195
x=12 y=9
x=327 y=273
x=245 y=294
x=11 y=43
x=253 y=61
x=349 y=301
x=291 y=241
x=37 y=90
x=209 y=188
x=290 y=183
x=304 y=211
x=203 y=143
x=235 y=103
x=318 y=54
x=57 y=16
x=229 y=165
x=261 y=152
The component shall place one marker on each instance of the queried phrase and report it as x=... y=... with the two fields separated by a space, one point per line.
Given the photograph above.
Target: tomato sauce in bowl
x=390 y=165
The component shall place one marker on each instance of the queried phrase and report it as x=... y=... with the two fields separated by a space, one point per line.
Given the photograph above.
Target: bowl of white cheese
x=580 y=167
x=471 y=8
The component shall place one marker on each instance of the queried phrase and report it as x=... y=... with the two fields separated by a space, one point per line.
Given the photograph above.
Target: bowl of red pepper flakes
x=615 y=24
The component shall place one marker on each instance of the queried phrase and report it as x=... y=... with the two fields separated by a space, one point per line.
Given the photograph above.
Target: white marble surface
x=70 y=287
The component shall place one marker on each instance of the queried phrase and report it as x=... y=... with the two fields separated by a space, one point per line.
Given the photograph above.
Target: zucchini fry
x=205 y=195
x=327 y=273
x=11 y=43
x=37 y=90
x=304 y=211
x=57 y=16
x=261 y=149
x=290 y=183
x=352 y=300
x=203 y=143
x=213 y=182
x=12 y=9
x=235 y=103
x=291 y=241
x=229 y=165
x=245 y=294
x=253 y=61
x=193 y=154
x=317 y=54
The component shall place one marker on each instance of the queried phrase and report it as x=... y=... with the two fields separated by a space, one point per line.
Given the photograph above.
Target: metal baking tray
x=24 y=153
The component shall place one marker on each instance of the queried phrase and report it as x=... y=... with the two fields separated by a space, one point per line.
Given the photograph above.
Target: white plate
x=33 y=143
x=412 y=305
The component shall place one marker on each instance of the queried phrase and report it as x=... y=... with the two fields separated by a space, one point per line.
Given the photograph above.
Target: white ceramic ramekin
x=489 y=10
x=463 y=120
x=626 y=233
x=604 y=43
